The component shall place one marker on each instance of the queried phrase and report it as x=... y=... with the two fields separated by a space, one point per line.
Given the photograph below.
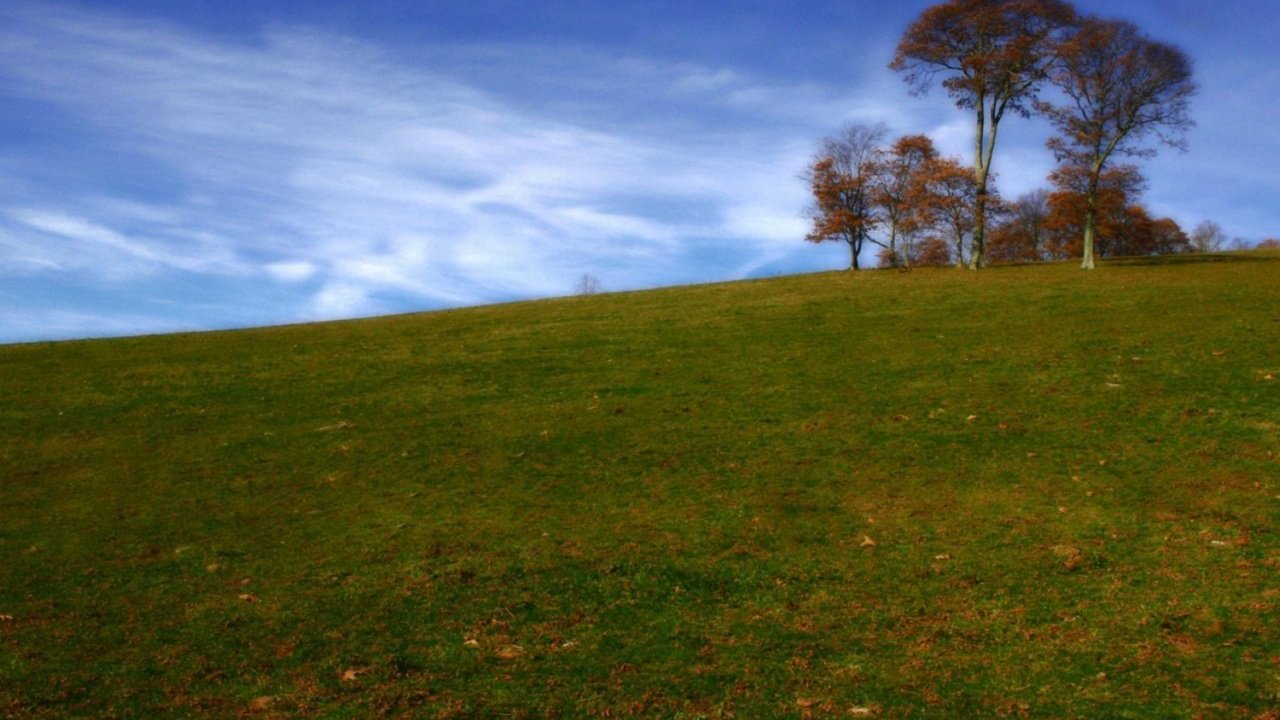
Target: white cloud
x=291 y=271
x=56 y=240
x=317 y=161
x=341 y=299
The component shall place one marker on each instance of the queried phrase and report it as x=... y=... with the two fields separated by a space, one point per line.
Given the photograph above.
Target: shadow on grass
x=1194 y=259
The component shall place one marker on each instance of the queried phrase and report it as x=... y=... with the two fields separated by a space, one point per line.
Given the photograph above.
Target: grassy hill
x=1026 y=492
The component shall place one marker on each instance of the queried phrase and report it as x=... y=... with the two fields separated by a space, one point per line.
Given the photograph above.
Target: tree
x=953 y=192
x=902 y=195
x=933 y=252
x=1122 y=225
x=1169 y=238
x=842 y=179
x=1119 y=87
x=1024 y=235
x=1069 y=207
x=1269 y=244
x=993 y=56
x=1208 y=237
x=587 y=285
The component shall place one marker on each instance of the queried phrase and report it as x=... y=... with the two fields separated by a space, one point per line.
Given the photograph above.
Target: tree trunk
x=1090 y=220
x=1091 y=216
x=853 y=251
x=977 y=249
x=982 y=148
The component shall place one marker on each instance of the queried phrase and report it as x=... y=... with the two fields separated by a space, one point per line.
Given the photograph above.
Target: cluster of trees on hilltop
x=889 y=196
x=1049 y=224
x=1114 y=89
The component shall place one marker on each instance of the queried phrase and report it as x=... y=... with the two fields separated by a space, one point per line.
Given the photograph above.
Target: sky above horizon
x=229 y=163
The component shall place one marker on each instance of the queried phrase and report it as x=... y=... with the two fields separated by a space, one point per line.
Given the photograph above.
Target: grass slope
x=1028 y=491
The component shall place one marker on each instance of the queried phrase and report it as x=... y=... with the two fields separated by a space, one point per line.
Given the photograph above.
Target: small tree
x=992 y=56
x=1023 y=236
x=1208 y=237
x=587 y=285
x=842 y=178
x=952 y=192
x=1269 y=244
x=1168 y=238
x=934 y=252
x=1120 y=87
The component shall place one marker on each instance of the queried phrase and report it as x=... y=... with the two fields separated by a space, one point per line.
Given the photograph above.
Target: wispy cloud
x=360 y=183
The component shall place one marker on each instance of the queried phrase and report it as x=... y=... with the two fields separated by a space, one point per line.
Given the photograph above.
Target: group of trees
x=1114 y=89
x=1050 y=224
x=891 y=197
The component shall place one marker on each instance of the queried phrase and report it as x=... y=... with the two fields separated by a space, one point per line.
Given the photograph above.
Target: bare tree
x=992 y=56
x=1120 y=87
x=588 y=284
x=1208 y=237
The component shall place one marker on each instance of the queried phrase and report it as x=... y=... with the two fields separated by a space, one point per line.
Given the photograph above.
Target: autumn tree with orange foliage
x=901 y=191
x=934 y=251
x=1069 y=206
x=1120 y=87
x=992 y=56
x=842 y=178
x=952 y=192
x=1122 y=227
x=1024 y=235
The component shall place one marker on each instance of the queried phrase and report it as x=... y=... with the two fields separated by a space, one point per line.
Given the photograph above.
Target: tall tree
x=1120 y=87
x=842 y=178
x=992 y=56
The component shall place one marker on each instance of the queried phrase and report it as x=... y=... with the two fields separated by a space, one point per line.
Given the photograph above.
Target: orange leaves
x=888 y=196
x=842 y=203
x=983 y=49
x=509 y=652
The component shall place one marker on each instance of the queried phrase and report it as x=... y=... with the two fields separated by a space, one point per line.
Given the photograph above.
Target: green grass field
x=1026 y=492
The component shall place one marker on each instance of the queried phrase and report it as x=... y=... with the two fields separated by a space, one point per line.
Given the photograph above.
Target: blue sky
x=225 y=163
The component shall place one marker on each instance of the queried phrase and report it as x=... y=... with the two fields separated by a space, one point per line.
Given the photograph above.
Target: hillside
x=1027 y=491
